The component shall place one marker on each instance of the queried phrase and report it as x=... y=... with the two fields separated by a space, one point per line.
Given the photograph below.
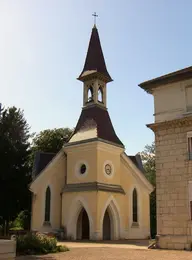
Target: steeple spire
x=95 y=62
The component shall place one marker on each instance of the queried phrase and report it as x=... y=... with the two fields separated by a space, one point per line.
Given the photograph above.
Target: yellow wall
x=95 y=154
x=72 y=204
x=54 y=177
x=172 y=100
x=80 y=154
x=109 y=153
x=129 y=182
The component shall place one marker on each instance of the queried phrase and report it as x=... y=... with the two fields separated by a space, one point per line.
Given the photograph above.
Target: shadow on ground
x=112 y=242
x=28 y=257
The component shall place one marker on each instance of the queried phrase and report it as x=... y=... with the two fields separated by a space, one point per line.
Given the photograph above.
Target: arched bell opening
x=100 y=95
x=90 y=94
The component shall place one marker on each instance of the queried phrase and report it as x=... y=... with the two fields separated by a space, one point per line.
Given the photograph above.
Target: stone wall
x=7 y=249
x=173 y=172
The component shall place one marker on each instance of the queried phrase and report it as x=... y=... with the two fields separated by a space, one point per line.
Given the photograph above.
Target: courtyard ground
x=134 y=250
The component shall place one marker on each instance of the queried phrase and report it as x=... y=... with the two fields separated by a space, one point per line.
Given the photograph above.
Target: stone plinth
x=7 y=249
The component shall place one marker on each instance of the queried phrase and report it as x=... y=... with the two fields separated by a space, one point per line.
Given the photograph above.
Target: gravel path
x=111 y=253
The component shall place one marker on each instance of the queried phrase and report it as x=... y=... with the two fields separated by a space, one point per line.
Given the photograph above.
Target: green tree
x=21 y=221
x=49 y=140
x=14 y=173
x=148 y=158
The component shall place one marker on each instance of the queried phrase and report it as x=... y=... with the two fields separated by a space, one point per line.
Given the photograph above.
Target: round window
x=83 y=169
x=108 y=169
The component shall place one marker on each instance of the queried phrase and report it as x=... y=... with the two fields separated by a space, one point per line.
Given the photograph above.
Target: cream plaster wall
x=54 y=177
x=72 y=204
x=173 y=100
x=107 y=153
x=128 y=183
x=94 y=155
x=77 y=155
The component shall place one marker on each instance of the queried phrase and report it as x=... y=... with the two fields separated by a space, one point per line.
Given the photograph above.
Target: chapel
x=91 y=187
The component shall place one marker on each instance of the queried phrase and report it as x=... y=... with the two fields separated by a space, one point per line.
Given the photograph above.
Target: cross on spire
x=95 y=17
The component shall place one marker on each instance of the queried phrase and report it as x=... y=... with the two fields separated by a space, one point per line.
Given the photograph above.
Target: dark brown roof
x=95 y=62
x=176 y=76
x=94 y=123
x=136 y=159
x=41 y=161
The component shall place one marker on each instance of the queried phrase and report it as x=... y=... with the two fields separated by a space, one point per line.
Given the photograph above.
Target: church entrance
x=106 y=226
x=83 y=225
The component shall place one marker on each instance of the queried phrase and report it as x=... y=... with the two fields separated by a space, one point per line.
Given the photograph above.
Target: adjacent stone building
x=173 y=138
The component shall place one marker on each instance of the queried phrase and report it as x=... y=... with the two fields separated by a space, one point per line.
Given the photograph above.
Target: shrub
x=16 y=228
x=38 y=244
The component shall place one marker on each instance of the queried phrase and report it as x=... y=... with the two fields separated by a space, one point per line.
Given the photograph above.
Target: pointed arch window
x=100 y=94
x=135 y=206
x=90 y=94
x=47 y=204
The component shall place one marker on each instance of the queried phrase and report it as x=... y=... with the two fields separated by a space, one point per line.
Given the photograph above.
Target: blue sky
x=43 y=46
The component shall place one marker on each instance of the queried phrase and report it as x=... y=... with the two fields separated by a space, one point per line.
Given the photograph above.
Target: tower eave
x=93 y=74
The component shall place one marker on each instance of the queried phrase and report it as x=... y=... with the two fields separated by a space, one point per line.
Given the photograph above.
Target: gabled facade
x=91 y=187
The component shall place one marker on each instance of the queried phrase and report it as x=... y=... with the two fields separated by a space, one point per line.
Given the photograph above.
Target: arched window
x=100 y=95
x=47 y=204
x=90 y=94
x=135 y=206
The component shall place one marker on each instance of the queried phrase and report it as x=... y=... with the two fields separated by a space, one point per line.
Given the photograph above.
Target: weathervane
x=95 y=17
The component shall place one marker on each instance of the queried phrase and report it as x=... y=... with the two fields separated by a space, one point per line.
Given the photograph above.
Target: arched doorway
x=83 y=225
x=110 y=220
x=106 y=226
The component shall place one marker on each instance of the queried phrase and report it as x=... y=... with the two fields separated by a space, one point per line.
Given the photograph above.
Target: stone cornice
x=92 y=140
x=93 y=186
x=179 y=122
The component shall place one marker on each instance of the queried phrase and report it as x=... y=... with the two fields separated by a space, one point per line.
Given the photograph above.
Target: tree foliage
x=49 y=140
x=148 y=158
x=14 y=173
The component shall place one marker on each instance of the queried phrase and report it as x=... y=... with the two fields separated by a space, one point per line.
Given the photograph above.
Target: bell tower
x=94 y=122
x=94 y=75
x=94 y=93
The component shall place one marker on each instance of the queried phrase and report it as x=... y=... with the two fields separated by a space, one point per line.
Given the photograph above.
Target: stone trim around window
x=47 y=224
x=78 y=167
x=135 y=225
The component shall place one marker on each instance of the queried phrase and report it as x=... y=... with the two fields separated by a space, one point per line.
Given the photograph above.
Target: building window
x=135 y=206
x=191 y=209
x=83 y=169
x=189 y=143
x=47 y=205
x=188 y=93
x=190 y=199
